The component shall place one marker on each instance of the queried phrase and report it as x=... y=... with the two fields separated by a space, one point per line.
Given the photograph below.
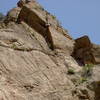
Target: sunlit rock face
x=36 y=61
x=96 y=53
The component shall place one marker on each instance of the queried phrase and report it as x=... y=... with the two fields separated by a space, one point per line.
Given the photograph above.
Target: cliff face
x=36 y=61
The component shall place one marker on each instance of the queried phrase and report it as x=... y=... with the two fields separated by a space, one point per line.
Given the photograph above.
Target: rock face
x=86 y=52
x=96 y=53
x=35 y=57
x=36 y=17
x=83 y=51
x=13 y=14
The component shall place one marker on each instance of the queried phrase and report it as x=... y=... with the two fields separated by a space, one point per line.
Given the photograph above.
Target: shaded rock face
x=21 y=3
x=35 y=57
x=86 y=52
x=83 y=51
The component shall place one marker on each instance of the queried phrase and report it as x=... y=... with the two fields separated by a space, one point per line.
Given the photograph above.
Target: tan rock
x=35 y=56
x=36 y=17
x=12 y=15
x=96 y=53
x=21 y=3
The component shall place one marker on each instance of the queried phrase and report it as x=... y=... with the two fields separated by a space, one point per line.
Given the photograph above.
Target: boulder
x=83 y=51
x=37 y=18
x=12 y=15
x=30 y=74
x=83 y=42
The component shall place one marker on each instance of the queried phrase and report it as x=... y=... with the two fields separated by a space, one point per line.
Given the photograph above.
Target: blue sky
x=79 y=17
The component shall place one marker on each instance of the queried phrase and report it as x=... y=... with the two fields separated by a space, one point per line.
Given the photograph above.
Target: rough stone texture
x=21 y=3
x=90 y=89
x=96 y=81
x=12 y=15
x=34 y=15
x=29 y=69
x=35 y=57
x=83 y=51
x=86 y=52
x=96 y=53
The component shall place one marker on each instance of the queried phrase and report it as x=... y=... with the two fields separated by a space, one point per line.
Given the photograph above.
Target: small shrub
x=89 y=66
x=14 y=46
x=71 y=71
x=83 y=79
x=54 y=17
x=80 y=81
x=87 y=70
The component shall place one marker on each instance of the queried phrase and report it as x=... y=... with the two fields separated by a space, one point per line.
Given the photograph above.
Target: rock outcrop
x=36 y=17
x=83 y=51
x=36 y=56
x=86 y=52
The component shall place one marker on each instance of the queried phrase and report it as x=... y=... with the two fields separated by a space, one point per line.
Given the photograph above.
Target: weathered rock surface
x=36 y=17
x=83 y=51
x=96 y=82
x=35 y=56
x=29 y=69
x=13 y=14
x=96 y=53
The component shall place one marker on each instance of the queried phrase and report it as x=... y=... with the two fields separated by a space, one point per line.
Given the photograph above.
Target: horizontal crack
x=28 y=50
